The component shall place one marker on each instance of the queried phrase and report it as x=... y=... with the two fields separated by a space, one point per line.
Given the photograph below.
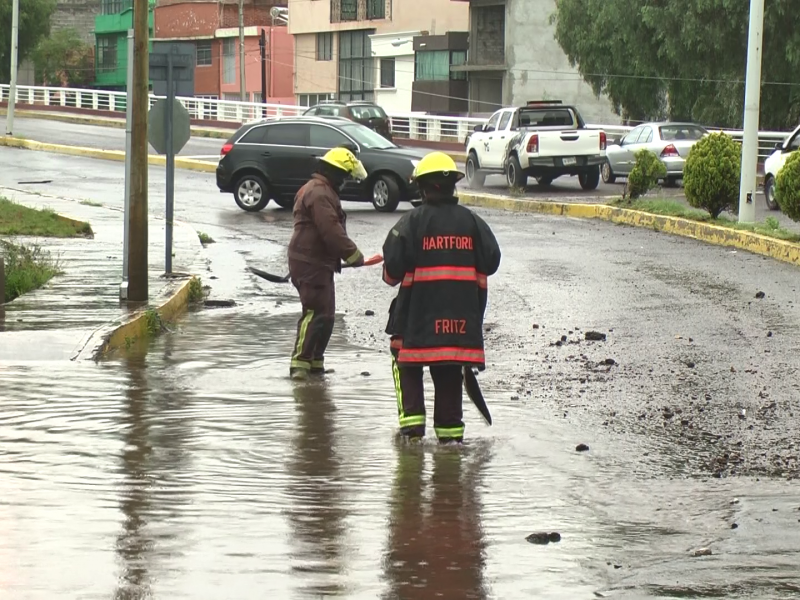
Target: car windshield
x=681 y=132
x=367 y=112
x=366 y=137
x=547 y=117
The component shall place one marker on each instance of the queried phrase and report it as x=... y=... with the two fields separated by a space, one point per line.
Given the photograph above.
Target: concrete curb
x=116 y=155
x=122 y=335
x=196 y=131
x=705 y=232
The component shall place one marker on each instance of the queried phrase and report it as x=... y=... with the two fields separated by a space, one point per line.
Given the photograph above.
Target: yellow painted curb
x=116 y=155
x=136 y=327
x=705 y=232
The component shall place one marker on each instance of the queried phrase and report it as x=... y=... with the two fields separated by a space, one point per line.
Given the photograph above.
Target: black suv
x=360 y=111
x=274 y=158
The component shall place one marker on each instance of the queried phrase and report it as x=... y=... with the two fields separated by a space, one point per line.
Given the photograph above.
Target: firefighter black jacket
x=440 y=254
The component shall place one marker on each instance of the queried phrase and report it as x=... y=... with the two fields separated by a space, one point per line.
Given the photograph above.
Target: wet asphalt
x=198 y=470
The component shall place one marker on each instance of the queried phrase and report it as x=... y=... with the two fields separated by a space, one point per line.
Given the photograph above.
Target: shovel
x=475 y=394
x=374 y=260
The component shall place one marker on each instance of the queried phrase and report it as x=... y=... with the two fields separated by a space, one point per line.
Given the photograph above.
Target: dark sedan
x=272 y=159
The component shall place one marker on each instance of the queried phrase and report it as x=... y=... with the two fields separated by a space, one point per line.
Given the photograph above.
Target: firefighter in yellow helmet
x=440 y=254
x=318 y=246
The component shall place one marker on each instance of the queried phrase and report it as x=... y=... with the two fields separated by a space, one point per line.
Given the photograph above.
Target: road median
x=189 y=164
x=781 y=250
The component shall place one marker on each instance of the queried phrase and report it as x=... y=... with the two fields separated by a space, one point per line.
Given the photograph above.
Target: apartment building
x=364 y=49
x=513 y=57
x=214 y=28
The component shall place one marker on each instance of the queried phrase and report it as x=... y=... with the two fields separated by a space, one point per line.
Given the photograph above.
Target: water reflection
x=436 y=545
x=317 y=509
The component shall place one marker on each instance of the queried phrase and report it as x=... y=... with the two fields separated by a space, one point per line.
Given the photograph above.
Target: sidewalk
x=59 y=321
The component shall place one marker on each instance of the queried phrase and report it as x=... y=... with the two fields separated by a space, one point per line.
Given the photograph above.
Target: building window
x=355 y=66
x=325 y=46
x=106 y=53
x=311 y=99
x=434 y=65
x=376 y=9
x=203 y=53
x=387 y=72
x=228 y=60
x=344 y=10
x=114 y=7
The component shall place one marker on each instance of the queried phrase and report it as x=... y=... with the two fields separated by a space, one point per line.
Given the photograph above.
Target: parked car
x=774 y=164
x=366 y=113
x=544 y=139
x=671 y=142
x=273 y=158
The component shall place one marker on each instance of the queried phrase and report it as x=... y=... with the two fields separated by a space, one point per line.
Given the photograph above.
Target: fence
x=415 y=126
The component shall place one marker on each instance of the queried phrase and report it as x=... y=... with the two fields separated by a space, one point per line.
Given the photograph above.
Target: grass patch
x=196 y=293
x=670 y=208
x=152 y=322
x=16 y=219
x=91 y=203
x=205 y=239
x=27 y=268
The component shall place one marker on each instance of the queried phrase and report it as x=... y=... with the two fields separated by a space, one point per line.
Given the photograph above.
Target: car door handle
x=265 y=153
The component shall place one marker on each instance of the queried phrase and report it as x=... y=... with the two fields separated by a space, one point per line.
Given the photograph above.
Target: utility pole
x=262 y=45
x=12 y=90
x=137 y=245
x=752 y=106
x=242 y=81
x=123 y=288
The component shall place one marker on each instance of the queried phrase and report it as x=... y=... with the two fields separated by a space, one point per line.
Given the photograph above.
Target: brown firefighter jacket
x=441 y=255
x=319 y=242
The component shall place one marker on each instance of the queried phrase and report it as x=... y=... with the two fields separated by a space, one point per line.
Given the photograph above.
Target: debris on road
x=543 y=538
x=595 y=336
x=581 y=448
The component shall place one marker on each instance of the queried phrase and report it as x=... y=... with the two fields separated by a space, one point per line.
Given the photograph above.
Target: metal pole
x=138 y=242
x=243 y=83
x=123 y=288
x=12 y=90
x=752 y=101
x=262 y=43
x=170 y=164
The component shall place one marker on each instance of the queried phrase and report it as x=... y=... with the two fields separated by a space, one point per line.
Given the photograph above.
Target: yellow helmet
x=438 y=163
x=345 y=160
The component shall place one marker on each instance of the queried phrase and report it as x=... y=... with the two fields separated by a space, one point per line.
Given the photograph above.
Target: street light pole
x=12 y=90
x=752 y=106
x=242 y=82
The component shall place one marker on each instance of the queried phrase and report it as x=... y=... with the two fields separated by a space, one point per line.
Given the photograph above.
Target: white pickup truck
x=544 y=139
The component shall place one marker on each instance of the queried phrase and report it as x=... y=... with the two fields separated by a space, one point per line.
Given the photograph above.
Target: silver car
x=671 y=142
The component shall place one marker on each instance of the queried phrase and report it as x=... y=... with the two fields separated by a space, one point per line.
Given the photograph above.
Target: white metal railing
x=417 y=126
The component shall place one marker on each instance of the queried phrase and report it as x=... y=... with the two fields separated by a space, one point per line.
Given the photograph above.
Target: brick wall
x=78 y=15
x=487 y=42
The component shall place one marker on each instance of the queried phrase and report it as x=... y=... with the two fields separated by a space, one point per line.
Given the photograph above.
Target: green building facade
x=111 y=42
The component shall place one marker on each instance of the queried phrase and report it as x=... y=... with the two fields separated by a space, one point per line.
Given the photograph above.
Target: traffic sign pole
x=170 y=165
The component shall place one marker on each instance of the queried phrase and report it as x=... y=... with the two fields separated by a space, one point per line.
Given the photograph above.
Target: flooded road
x=198 y=470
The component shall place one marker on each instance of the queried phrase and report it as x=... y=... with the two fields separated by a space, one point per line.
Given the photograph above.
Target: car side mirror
x=478 y=127
x=489 y=128
x=352 y=147
x=779 y=146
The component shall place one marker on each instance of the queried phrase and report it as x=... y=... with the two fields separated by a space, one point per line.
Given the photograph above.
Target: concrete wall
x=314 y=76
x=398 y=98
x=78 y=15
x=186 y=19
x=539 y=69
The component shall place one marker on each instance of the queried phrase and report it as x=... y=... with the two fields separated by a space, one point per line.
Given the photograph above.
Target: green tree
x=34 y=24
x=682 y=59
x=63 y=59
x=712 y=172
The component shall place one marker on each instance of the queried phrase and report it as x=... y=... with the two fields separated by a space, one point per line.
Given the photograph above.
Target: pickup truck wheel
x=385 y=193
x=769 y=193
x=514 y=174
x=251 y=193
x=544 y=181
x=607 y=174
x=589 y=180
x=474 y=177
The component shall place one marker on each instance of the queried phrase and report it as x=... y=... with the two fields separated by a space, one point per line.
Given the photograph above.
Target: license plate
x=569 y=161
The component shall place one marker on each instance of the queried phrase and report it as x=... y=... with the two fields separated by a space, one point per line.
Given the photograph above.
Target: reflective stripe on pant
x=447 y=408
x=315 y=326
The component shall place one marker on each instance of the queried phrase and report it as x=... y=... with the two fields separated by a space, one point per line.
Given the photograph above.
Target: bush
x=64 y=60
x=646 y=172
x=712 y=172
x=787 y=187
x=26 y=268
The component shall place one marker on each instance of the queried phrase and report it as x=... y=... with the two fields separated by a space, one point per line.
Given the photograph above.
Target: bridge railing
x=416 y=126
